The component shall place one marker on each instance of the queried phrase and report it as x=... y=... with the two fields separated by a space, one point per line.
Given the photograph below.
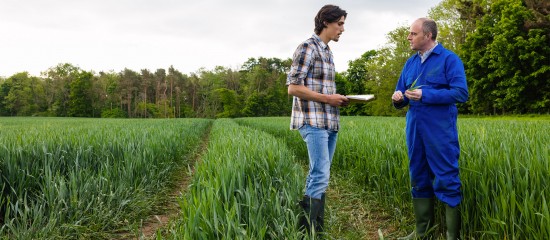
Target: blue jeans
x=321 y=144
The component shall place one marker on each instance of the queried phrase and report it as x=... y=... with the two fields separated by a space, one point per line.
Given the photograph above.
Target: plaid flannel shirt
x=313 y=67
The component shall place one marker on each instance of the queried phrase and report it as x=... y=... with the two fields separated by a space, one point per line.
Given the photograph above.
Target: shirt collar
x=425 y=56
x=321 y=43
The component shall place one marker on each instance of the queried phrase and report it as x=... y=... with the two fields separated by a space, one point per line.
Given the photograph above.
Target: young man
x=432 y=136
x=315 y=112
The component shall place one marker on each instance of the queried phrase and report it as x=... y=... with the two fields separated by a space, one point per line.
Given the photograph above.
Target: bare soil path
x=354 y=213
x=170 y=209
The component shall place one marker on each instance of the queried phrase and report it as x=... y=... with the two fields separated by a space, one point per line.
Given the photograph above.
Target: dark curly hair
x=328 y=13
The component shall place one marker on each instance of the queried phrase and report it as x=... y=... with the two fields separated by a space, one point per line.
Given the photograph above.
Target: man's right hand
x=301 y=91
x=397 y=97
x=337 y=100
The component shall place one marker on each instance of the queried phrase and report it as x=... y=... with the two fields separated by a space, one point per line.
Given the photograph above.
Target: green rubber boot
x=453 y=221
x=424 y=217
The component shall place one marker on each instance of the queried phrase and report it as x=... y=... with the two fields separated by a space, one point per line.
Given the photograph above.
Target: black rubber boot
x=453 y=221
x=309 y=220
x=320 y=226
x=303 y=221
x=424 y=217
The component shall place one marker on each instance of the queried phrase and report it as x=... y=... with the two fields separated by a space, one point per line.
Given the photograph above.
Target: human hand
x=414 y=95
x=337 y=100
x=397 y=97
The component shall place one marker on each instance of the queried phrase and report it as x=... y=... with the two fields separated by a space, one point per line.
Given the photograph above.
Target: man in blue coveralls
x=431 y=83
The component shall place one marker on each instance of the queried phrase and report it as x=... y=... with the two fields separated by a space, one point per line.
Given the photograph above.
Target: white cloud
x=103 y=35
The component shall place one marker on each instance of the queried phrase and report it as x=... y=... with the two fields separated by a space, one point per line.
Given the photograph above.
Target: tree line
x=65 y=90
x=504 y=45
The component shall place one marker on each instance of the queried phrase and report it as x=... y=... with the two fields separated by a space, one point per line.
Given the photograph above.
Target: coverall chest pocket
x=437 y=82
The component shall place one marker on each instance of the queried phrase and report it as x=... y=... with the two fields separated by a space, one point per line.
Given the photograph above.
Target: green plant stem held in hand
x=413 y=87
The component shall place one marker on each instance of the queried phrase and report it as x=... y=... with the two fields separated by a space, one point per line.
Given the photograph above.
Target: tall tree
x=384 y=69
x=507 y=63
x=129 y=85
x=354 y=82
x=357 y=73
x=455 y=20
x=4 y=90
x=170 y=79
x=108 y=82
x=58 y=81
x=80 y=98
x=146 y=85
x=263 y=87
x=229 y=101
x=178 y=82
x=161 y=88
x=19 y=100
x=193 y=89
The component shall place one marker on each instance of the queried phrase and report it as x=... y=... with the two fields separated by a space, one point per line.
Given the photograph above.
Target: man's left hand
x=414 y=95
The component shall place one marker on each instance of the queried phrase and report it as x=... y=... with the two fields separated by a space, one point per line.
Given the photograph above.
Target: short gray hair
x=429 y=26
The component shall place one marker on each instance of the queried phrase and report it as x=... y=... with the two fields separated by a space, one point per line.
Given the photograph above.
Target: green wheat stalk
x=413 y=87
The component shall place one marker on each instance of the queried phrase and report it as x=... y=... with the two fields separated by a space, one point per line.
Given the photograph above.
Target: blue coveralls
x=432 y=136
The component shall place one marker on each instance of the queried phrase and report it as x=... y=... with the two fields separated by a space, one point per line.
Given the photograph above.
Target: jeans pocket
x=304 y=131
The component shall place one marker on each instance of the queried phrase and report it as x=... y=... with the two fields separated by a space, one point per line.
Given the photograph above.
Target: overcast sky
x=104 y=35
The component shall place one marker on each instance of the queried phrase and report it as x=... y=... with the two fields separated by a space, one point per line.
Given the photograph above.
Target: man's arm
x=399 y=100
x=302 y=92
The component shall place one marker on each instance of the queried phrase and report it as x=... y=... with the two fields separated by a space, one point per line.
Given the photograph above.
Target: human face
x=417 y=39
x=333 y=30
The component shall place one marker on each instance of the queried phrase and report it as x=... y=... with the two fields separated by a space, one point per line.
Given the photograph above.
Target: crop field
x=87 y=178
x=504 y=165
x=64 y=178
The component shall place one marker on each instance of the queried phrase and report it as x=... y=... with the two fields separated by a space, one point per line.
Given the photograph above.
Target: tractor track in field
x=353 y=215
x=170 y=209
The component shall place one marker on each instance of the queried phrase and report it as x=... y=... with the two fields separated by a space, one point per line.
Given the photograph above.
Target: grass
x=90 y=178
x=245 y=187
x=504 y=169
x=87 y=178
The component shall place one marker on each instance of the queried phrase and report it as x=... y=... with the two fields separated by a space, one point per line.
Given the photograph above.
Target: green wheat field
x=76 y=178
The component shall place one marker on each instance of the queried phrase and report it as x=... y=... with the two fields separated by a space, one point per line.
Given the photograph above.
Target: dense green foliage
x=257 y=89
x=504 y=45
x=507 y=58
